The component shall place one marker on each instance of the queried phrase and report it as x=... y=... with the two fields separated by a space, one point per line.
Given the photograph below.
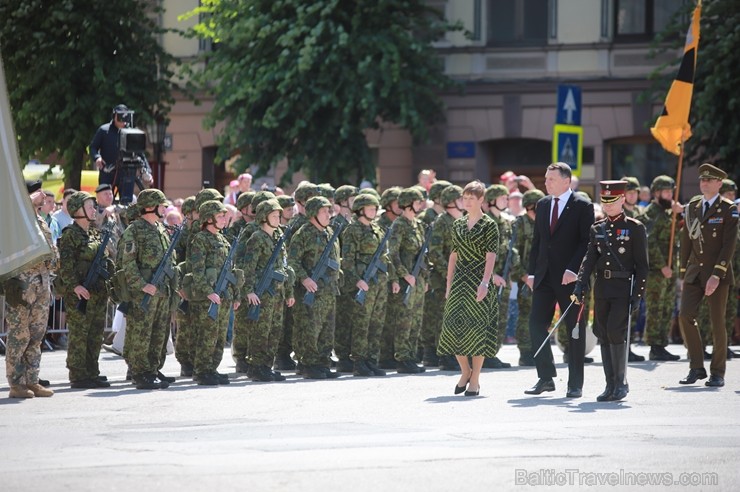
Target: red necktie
x=554 y=219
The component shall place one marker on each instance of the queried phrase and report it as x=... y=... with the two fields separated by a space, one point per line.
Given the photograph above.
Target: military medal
x=621 y=250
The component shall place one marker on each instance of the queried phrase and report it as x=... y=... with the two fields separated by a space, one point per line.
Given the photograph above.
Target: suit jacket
x=708 y=243
x=563 y=249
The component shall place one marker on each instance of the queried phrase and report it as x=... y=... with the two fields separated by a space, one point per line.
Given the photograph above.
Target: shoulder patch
x=130 y=247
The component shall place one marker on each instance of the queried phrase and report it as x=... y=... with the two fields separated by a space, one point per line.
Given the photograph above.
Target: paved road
x=376 y=434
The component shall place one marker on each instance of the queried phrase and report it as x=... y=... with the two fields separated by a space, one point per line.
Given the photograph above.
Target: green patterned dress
x=469 y=327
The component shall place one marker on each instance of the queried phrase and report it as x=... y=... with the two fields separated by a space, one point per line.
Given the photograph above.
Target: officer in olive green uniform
x=617 y=256
x=523 y=229
x=729 y=191
x=708 y=243
x=313 y=329
x=660 y=293
x=497 y=198
x=265 y=332
x=405 y=245
x=207 y=256
x=145 y=242
x=360 y=242
x=78 y=247
x=391 y=211
x=440 y=248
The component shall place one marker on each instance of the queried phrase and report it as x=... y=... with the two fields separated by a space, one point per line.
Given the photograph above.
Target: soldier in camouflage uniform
x=497 y=198
x=188 y=206
x=360 y=241
x=391 y=211
x=440 y=248
x=244 y=206
x=405 y=243
x=206 y=257
x=185 y=343
x=632 y=195
x=265 y=333
x=78 y=247
x=435 y=192
x=27 y=300
x=660 y=288
x=523 y=228
x=288 y=204
x=313 y=329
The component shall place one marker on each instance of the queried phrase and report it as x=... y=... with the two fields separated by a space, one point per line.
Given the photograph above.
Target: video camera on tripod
x=131 y=161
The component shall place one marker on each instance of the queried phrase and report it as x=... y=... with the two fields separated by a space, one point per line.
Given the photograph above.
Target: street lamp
x=156 y=132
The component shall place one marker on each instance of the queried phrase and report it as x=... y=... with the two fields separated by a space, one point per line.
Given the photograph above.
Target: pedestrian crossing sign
x=567 y=146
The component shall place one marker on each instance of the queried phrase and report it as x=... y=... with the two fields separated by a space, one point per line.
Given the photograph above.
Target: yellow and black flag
x=672 y=127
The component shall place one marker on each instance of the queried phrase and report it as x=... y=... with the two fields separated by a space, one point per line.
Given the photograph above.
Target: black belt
x=615 y=274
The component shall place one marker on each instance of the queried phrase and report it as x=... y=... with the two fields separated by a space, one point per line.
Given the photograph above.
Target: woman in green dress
x=471 y=310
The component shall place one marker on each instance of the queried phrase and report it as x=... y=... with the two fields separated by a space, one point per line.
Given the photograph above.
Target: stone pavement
x=374 y=434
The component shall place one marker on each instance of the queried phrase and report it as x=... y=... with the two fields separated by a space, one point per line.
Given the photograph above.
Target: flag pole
x=675 y=199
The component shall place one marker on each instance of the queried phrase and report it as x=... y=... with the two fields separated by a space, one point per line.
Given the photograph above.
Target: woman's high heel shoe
x=460 y=389
x=473 y=393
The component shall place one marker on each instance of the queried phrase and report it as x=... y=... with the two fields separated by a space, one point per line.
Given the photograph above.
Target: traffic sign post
x=567 y=146
x=569 y=105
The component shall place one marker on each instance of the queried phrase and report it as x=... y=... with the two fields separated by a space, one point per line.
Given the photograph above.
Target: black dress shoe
x=473 y=393
x=715 y=381
x=541 y=386
x=574 y=393
x=694 y=376
x=633 y=357
x=590 y=360
x=461 y=389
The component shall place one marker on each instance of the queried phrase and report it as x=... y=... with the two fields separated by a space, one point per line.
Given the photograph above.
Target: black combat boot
x=283 y=362
x=495 y=363
x=345 y=365
x=186 y=370
x=448 y=363
x=526 y=359
x=207 y=379
x=430 y=359
x=242 y=367
x=313 y=372
x=164 y=378
x=633 y=357
x=606 y=357
x=621 y=388
x=145 y=382
x=361 y=369
x=262 y=373
x=373 y=366
x=409 y=367
x=658 y=352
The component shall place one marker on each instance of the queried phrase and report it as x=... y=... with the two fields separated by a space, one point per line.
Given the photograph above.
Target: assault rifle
x=375 y=265
x=97 y=268
x=163 y=269
x=268 y=275
x=507 y=264
x=418 y=264
x=325 y=262
x=225 y=277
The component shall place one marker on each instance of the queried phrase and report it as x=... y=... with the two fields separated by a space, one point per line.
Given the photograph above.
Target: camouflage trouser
x=313 y=329
x=343 y=329
x=210 y=335
x=431 y=326
x=285 y=344
x=265 y=333
x=659 y=303
x=524 y=300
x=503 y=315
x=26 y=326
x=240 y=339
x=731 y=313
x=146 y=334
x=85 y=336
x=406 y=321
x=369 y=319
x=185 y=340
x=387 y=332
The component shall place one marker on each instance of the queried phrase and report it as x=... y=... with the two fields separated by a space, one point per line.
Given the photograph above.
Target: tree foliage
x=303 y=80
x=716 y=102
x=68 y=62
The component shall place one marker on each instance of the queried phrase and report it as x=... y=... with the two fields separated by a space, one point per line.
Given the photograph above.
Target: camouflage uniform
x=28 y=297
x=77 y=250
x=343 y=329
x=359 y=244
x=313 y=326
x=386 y=337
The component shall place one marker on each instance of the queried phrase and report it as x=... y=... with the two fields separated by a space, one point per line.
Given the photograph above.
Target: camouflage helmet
x=76 y=201
x=436 y=189
x=389 y=196
x=450 y=194
x=344 y=193
x=265 y=208
x=728 y=185
x=286 y=201
x=305 y=191
x=327 y=191
x=584 y=195
x=495 y=191
x=369 y=191
x=364 y=200
x=314 y=204
x=188 y=205
x=210 y=208
x=260 y=197
x=150 y=198
x=662 y=182
x=421 y=190
x=632 y=183
x=131 y=214
x=244 y=200
x=409 y=196
x=205 y=195
x=531 y=197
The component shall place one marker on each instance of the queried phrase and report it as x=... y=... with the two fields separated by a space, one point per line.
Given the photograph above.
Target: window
x=642 y=159
x=640 y=20
x=517 y=22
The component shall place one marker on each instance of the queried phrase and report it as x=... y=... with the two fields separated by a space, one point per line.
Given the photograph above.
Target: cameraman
x=104 y=145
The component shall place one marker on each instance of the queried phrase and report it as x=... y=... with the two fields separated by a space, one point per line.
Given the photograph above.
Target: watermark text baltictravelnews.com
x=574 y=476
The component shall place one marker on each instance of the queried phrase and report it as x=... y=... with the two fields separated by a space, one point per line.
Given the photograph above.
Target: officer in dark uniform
x=617 y=255
x=708 y=243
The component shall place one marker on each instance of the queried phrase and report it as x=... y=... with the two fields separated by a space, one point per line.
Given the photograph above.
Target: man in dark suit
x=561 y=234
x=708 y=243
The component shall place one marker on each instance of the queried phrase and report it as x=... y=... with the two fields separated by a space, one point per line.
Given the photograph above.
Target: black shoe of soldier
x=262 y=374
x=298 y=369
x=83 y=384
x=330 y=374
x=99 y=383
x=590 y=360
x=45 y=382
x=208 y=379
x=223 y=378
x=633 y=357
x=345 y=365
x=377 y=371
x=387 y=364
x=146 y=382
x=284 y=363
x=448 y=363
x=526 y=359
x=164 y=378
x=313 y=372
x=277 y=376
x=242 y=367
x=361 y=369
x=495 y=363
x=186 y=370
x=409 y=367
